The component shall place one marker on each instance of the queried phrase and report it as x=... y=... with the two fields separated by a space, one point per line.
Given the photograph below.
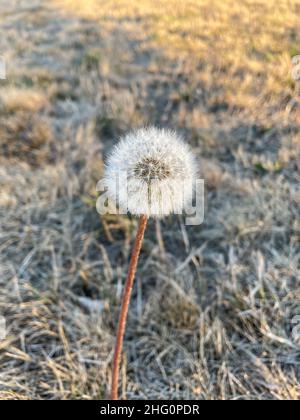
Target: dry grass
x=212 y=315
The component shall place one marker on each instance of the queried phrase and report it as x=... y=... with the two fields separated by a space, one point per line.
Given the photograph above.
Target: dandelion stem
x=125 y=304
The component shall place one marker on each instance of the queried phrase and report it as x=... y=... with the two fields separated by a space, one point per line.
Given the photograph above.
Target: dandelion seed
x=159 y=169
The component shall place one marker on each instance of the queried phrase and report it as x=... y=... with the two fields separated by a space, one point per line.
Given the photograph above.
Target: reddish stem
x=125 y=304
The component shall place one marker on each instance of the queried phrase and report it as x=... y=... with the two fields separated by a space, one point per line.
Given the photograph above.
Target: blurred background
x=216 y=308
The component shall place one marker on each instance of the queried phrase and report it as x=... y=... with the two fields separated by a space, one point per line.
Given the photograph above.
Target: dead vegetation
x=214 y=306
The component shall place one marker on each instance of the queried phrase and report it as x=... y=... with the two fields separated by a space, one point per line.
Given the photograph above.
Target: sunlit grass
x=252 y=39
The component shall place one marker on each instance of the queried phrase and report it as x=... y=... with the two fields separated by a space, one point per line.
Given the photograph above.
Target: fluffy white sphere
x=151 y=171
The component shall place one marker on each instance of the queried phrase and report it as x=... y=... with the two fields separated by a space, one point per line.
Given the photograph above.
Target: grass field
x=216 y=306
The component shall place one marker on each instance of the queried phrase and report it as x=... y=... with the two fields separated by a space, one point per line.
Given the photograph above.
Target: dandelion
x=159 y=173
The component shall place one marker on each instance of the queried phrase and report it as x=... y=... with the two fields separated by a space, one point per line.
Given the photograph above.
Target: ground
x=215 y=307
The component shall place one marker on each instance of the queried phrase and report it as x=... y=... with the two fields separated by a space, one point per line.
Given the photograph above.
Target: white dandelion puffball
x=152 y=172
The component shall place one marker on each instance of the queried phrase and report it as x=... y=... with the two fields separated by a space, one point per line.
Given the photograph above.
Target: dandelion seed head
x=151 y=171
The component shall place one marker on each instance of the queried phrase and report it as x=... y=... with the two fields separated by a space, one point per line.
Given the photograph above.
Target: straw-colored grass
x=215 y=307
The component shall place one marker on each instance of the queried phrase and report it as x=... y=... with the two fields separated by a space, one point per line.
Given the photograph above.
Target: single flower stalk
x=160 y=171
